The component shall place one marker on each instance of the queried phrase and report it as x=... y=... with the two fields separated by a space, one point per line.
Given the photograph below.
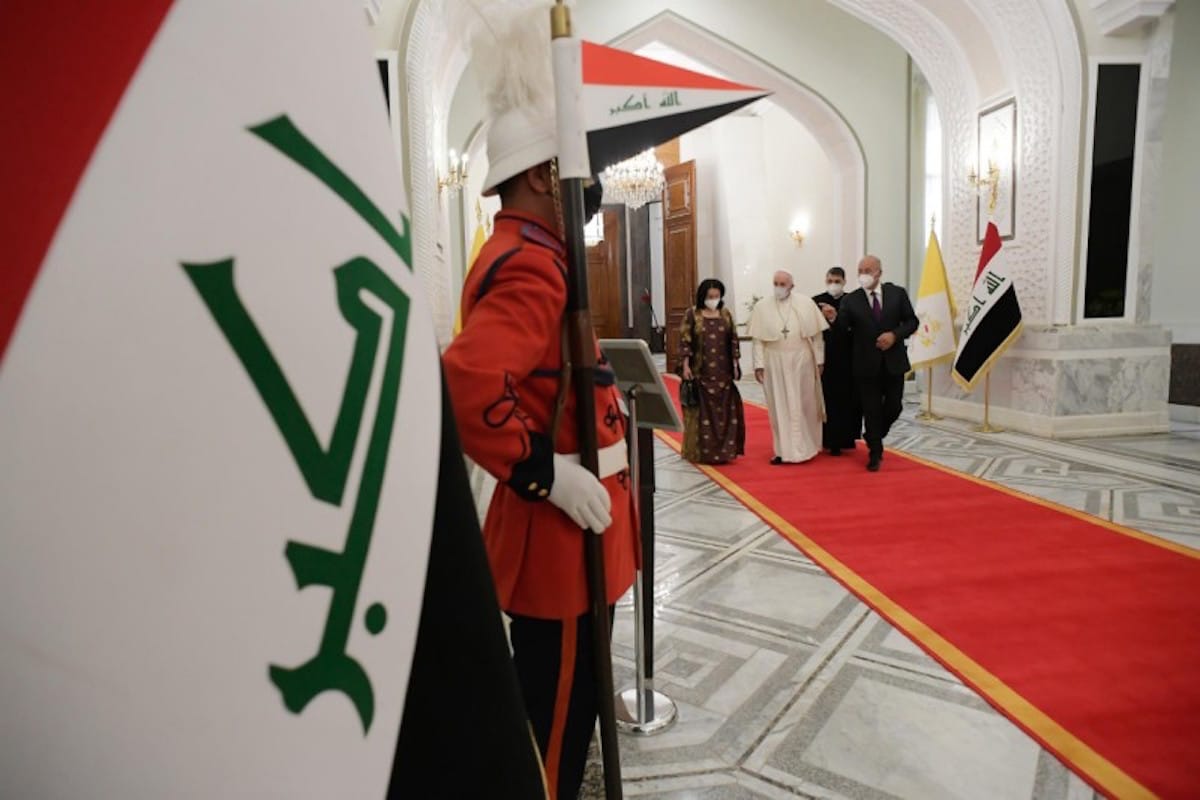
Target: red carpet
x=1084 y=633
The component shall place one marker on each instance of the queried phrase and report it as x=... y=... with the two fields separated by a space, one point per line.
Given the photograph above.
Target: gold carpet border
x=1106 y=775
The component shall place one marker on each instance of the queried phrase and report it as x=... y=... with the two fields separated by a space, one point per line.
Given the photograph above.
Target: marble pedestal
x=1071 y=381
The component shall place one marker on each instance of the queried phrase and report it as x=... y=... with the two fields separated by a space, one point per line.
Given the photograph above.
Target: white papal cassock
x=789 y=348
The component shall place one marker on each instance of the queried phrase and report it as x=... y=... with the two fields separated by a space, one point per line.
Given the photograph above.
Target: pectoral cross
x=785 y=330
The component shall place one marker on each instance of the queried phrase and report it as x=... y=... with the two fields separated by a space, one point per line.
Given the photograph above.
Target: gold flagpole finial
x=560 y=21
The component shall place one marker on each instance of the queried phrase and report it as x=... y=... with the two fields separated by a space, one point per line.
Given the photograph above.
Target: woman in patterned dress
x=715 y=430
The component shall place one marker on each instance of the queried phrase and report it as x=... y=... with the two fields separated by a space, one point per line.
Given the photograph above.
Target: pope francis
x=789 y=356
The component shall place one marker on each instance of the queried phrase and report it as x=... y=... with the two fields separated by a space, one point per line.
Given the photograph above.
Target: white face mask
x=866 y=281
x=835 y=289
x=782 y=292
x=712 y=304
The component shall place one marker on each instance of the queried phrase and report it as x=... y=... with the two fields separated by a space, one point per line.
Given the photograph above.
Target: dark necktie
x=875 y=307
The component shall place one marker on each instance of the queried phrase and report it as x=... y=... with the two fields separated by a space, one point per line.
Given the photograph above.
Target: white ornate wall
x=1035 y=44
x=427 y=51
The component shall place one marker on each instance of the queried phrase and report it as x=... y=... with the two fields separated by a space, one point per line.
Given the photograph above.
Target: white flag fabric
x=934 y=340
x=219 y=418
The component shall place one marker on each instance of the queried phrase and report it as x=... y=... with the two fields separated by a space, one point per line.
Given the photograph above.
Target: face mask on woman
x=835 y=289
x=712 y=304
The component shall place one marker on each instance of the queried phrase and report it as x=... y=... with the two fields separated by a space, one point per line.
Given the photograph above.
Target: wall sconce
x=799 y=228
x=456 y=175
x=990 y=182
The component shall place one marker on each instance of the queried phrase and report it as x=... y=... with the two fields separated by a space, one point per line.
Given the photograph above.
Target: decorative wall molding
x=944 y=63
x=1125 y=17
x=1038 y=45
x=426 y=43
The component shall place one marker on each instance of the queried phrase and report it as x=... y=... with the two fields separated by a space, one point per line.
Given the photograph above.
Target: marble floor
x=788 y=686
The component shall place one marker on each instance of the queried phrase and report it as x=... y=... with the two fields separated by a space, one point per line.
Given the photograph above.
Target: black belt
x=604 y=377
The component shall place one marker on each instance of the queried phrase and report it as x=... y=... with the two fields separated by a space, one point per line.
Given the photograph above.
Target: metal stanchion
x=987 y=426
x=927 y=413
x=641 y=710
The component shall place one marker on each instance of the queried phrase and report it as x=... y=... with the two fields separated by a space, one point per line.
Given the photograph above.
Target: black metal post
x=646 y=512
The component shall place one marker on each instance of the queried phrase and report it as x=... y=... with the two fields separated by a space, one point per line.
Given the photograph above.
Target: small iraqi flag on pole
x=631 y=103
x=993 y=316
x=934 y=341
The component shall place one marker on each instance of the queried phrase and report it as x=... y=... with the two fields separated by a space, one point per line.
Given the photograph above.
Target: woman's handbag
x=689 y=393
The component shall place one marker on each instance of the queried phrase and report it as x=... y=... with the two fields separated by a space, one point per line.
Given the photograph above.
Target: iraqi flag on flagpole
x=631 y=103
x=934 y=340
x=993 y=319
x=240 y=555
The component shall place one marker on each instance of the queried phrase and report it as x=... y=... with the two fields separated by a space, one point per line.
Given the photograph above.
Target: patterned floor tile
x=874 y=734
x=706 y=521
x=768 y=595
x=728 y=685
x=787 y=686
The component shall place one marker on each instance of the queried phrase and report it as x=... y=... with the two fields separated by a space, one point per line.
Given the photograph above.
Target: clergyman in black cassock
x=843 y=410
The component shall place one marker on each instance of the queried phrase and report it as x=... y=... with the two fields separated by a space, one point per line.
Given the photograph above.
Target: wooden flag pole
x=572 y=153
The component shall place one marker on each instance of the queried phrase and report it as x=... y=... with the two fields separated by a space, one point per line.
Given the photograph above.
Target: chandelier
x=635 y=181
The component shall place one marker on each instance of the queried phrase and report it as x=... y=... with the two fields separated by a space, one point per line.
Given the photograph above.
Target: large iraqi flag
x=993 y=315
x=238 y=546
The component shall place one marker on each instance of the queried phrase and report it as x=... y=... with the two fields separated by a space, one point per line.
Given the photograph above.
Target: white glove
x=580 y=495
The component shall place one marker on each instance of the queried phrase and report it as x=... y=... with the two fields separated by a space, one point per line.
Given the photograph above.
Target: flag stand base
x=660 y=711
x=641 y=710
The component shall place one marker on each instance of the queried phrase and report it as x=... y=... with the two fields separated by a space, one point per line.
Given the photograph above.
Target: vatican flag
x=934 y=340
x=476 y=245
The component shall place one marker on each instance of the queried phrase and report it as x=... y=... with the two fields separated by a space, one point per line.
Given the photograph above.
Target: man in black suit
x=878 y=317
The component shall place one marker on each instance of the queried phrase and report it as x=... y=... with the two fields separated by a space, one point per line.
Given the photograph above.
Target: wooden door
x=604 y=276
x=679 y=251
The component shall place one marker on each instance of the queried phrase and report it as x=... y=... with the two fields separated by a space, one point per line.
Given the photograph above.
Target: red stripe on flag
x=991 y=246
x=62 y=73
x=607 y=66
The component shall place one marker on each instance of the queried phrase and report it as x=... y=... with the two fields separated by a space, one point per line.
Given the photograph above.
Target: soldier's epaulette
x=540 y=236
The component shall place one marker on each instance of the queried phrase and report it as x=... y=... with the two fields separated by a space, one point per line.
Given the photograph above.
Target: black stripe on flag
x=464 y=732
x=609 y=146
x=989 y=335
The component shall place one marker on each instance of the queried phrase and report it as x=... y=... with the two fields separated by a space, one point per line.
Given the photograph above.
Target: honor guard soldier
x=510 y=388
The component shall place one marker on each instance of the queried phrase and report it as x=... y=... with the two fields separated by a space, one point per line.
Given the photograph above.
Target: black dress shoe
x=776 y=461
x=835 y=451
x=873 y=464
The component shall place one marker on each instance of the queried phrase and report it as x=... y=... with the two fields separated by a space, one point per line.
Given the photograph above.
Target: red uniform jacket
x=503 y=375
